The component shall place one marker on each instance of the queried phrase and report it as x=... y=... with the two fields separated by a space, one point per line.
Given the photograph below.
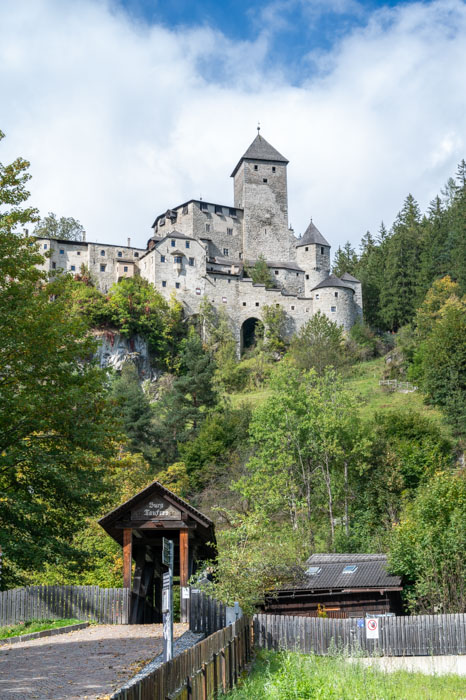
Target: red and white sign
x=372 y=628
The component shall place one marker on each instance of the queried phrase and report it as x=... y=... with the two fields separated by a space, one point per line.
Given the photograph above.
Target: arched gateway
x=139 y=526
x=249 y=332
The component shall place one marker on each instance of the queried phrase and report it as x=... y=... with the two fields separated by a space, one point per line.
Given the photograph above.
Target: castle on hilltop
x=202 y=250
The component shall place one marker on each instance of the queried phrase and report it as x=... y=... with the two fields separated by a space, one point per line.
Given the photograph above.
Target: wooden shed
x=139 y=526
x=342 y=585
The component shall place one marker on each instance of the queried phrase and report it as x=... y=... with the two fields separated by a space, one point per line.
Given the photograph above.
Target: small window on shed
x=333 y=309
x=350 y=569
x=313 y=570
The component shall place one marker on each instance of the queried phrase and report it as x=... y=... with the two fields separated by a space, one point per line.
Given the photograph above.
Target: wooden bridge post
x=184 y=574
x=127 y=556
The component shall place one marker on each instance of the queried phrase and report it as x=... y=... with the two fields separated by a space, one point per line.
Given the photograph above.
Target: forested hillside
x=293 y=449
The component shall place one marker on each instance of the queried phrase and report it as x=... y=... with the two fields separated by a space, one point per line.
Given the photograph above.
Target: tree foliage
x=260 y=273
x=318 y=344
x=64 y=228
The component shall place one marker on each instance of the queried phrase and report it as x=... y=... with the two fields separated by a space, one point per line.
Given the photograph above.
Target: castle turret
x=357 y=286
x=260 y=188
x=313 y=255
x=335 y=299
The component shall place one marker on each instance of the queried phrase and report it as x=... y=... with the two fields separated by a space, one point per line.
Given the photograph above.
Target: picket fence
x=417 y=635
x=210 y=667
x=105 y=605
x=205 y=613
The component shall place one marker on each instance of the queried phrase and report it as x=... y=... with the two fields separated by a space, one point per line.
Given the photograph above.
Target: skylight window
x=349 y=569
x=314 y=570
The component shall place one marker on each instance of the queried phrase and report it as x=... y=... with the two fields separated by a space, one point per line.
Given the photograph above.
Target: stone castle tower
x=200 y=250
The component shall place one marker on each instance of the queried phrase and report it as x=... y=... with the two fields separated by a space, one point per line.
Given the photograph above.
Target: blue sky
x=128 y=107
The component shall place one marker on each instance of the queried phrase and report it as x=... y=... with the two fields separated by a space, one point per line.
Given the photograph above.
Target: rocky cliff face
x=114 y=350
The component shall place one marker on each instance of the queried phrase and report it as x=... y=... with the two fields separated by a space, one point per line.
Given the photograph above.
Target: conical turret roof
x=260 y=149
x=349 y=278
x=332 y=281
x=312 y=235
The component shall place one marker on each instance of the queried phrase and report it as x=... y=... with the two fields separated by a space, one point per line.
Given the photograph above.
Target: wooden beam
x=127 y=556
x=184 y=575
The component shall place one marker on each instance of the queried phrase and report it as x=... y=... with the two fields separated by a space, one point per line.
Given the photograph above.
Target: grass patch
x=293 y=676
x=34 y=626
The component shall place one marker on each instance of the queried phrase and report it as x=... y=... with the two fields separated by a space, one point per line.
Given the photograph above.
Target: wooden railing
x=397 y=385
x=416 y=635
x=205 y=613
x=105 y=605
x=210 y=667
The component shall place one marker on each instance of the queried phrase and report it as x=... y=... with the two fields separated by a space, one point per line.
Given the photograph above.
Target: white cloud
x=121 y=120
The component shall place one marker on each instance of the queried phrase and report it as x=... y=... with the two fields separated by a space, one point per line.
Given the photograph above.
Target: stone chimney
x=84 y=236
x=129 y=242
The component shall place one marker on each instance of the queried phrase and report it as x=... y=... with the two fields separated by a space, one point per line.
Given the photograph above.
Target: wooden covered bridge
x=139 y=526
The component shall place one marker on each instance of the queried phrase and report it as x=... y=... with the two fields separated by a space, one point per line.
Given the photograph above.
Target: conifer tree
x=345 y=260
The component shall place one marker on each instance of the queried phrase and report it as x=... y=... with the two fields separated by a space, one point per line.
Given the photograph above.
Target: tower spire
x=258 y=128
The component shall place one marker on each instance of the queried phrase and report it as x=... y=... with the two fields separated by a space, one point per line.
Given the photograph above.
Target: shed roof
x=332 y=281
x=260 y=149
x=371 y=572
x=312 y=236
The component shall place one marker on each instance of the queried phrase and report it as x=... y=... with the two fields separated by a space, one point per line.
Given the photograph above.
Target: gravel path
x=85 y=665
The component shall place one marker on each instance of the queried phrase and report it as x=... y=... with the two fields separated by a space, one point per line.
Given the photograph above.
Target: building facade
x=201 y=250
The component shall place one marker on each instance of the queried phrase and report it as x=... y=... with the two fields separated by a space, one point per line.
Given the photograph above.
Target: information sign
x=167 y=552
x=372 y=628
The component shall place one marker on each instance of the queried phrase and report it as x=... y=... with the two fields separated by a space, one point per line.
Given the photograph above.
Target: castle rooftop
x=260 y=149
x=332 y=281
x=312 y=236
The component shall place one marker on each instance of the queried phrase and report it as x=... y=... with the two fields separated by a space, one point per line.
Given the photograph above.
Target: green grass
x=363 y=380
x=292 y=676
x=34 y=626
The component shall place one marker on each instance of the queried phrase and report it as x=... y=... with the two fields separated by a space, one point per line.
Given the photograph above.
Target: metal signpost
x=167 y=599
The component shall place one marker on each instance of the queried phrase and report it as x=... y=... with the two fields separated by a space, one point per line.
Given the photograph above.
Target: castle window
x=232 y=212
x=256 y=167
x=162 y=258
x=78 y=252
x=336 y=294
x=244 y=303
x=297 y=274
x=162 y=222
x=172 y=243
x=225 y=252
x=185 y=210
x=54 y=266
x=120 y=254
x=164 y=284
x=306 y=249
x=177 y=285
x=264 y=179
x=273 y=168
x=207 y=228
x=73 y=268
x=333 y=309
x=191 y=261
x=45 y=246
x=307 y=277
x=218 y=209
x=125 y=268
x=277 y=305
x=257 y=303
x=321 y=249
x=224 y=299
x=102 y=252
x=276 y=272
x=292 y=308
x=103 y=268
x=317 y=296
x=178 y=259
x=136 y=255
x=203 y=206
x=229 y=231
x=187 y=244
x=62 y=252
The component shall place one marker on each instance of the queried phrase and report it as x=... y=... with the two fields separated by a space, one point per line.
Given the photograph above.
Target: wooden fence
x=417 y=635
x=105 y=605
x=210 y=667
x=205 y=613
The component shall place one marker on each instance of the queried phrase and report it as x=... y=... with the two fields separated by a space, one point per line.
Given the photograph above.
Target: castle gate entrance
x=249 y=333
